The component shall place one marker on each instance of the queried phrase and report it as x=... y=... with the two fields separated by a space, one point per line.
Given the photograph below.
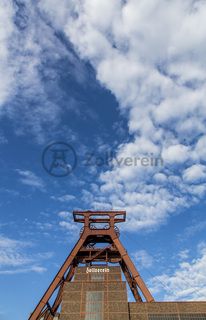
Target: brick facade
x=100 y=294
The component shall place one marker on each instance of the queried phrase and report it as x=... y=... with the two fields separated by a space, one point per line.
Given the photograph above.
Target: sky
x=122 y=86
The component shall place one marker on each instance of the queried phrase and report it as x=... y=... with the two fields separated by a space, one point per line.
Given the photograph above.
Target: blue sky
x=116 y=80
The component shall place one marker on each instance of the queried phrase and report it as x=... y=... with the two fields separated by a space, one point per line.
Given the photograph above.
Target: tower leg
x=132 y=284
x=131 y=267
x=58 y=299
x=57 y=279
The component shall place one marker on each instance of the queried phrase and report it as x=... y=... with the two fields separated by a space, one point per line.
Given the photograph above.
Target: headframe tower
x=98 y=243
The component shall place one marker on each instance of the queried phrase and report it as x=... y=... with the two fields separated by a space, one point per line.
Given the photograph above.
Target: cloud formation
x=14 y=259
x=143 y=259
x=29 y=55
x=150 y=55
x=64 y=198
x=29 y=178
x=67 y=223
x=187 y=282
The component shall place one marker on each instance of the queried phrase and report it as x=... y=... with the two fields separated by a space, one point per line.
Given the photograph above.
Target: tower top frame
x=109 y=216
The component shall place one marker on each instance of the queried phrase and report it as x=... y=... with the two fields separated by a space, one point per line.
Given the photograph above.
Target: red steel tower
x=98 y=243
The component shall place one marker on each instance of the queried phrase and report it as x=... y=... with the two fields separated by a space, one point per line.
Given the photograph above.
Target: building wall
x=167 y=311
x=95 y=296
x=102 y=295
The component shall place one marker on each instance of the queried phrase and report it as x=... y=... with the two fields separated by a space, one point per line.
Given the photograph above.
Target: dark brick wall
x=168 y=310
x=109 y=294
x=90 y=298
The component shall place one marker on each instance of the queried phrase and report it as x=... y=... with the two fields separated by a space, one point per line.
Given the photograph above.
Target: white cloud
x=187 y=282
x=31 y=179
x=201 y=148
x=191 y=230
x=195 y=173
x=3 y=139
x=10 y=243
x=10 y=252
x=36 y=269
x=160 y=177
x=150 y=55
x=44 y=226
x=28 y=75
x=6 y=29
x=68 y=226
x=143 y=259
x=64 y=214
x=67 y=223
x=184 y=254
x=177 y=153
x=64 y=198
x=14 y=259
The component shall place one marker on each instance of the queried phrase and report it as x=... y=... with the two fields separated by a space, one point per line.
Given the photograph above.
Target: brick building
x=89 y=284
x=99 y=294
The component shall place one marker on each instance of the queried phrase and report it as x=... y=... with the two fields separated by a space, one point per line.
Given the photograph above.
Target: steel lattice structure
x=99 y=227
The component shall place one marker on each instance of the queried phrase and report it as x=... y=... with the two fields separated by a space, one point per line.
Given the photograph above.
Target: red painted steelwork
x=85 y=252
